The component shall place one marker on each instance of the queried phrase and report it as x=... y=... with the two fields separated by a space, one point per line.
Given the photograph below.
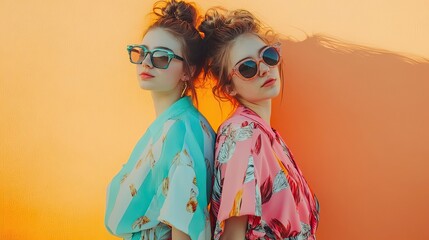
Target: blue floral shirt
x=167 y=179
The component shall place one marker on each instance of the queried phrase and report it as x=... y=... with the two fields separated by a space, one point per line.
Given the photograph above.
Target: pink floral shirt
x=256 y=175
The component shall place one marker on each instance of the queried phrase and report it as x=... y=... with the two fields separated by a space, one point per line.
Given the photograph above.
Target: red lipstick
x=269 y=82
x=145 y=76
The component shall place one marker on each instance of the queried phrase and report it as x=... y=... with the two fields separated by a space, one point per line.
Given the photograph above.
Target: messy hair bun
x=213 y=20
x=219 y=21
x=179 y=10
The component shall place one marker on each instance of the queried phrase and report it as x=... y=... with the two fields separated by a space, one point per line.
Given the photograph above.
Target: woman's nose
x=264 y=69
x=147 y=61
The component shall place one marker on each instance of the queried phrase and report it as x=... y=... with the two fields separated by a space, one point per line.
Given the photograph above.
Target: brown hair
x=180 y=19
x=221 y=27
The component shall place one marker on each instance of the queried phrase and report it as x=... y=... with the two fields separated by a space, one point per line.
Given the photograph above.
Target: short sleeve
x=182 y=207
x=236 y=189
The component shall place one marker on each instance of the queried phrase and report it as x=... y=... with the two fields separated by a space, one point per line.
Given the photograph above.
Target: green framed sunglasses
x=159 y=57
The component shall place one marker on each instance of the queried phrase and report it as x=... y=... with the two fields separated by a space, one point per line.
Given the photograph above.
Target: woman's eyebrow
x=243 y=59
x=165 y=48
x=249 y=57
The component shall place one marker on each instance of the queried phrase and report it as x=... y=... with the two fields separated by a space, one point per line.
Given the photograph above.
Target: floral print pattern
x=256 y=175
x=167 y=179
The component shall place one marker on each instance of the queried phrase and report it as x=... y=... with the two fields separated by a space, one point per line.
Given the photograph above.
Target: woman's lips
x=145 y=76
x=269 y=82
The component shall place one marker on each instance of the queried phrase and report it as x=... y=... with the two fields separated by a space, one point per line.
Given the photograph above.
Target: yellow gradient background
x=353 y=111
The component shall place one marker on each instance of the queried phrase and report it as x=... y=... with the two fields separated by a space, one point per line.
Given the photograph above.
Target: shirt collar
x=175 y=109
x=249 y=113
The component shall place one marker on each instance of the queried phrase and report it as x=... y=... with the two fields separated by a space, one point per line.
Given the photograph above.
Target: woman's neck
x=162 y=101
x=263 y=109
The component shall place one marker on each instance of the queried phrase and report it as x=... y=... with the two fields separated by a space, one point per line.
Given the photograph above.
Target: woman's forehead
x=245 y=46
x=159 y=37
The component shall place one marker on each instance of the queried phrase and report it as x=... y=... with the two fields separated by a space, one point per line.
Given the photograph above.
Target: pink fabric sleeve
x=236 y=189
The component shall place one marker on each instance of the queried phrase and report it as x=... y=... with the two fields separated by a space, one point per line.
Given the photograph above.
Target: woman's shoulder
x=239 y=121
x=192 y=122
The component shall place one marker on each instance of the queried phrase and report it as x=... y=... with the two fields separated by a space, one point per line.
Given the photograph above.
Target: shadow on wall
x=357 y=122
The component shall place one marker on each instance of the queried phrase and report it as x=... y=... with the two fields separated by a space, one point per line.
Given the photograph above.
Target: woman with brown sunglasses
x=259 y=192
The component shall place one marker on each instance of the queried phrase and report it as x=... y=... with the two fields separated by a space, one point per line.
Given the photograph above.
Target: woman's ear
x=230 y=90
x=185 y=77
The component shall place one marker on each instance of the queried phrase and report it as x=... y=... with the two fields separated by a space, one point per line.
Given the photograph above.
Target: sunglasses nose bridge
x=263 y=68
x=147 y=60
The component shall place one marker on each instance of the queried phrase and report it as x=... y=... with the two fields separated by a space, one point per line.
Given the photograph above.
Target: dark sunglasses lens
x=248 y=69
x=136 y=54
x=271 y=56
x=160 y=59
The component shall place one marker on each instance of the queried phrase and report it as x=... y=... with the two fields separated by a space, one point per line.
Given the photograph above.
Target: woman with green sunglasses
x=259 y=192
x=163 y=191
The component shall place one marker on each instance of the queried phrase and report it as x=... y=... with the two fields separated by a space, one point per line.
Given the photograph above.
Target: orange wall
x=355 y=117
x=356 y=120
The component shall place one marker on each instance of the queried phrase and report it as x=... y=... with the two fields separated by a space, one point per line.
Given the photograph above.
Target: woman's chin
x=143 y=85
